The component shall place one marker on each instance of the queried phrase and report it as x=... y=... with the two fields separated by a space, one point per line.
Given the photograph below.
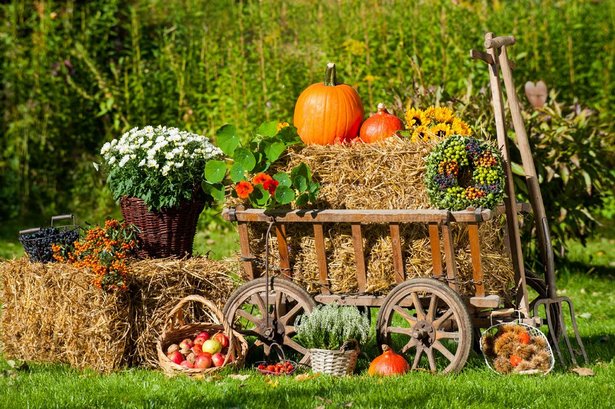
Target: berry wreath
x=464 y=172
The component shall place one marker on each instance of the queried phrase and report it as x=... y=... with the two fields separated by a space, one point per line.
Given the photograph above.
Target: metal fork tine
x=552 y=331
x=575 y=328
x=562 y=324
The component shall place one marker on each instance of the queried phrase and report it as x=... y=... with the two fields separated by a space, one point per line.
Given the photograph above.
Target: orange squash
x=328 y=113
x=380 y=126
x=389 y=363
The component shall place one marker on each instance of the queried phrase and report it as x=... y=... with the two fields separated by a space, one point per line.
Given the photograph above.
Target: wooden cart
x=426 y=317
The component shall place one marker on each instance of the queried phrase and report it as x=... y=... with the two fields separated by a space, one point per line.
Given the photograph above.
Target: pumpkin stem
x=385 y=348
x=381 y=108
x=330 y=75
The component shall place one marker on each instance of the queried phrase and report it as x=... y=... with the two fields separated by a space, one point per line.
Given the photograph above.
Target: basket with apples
x=199 y=348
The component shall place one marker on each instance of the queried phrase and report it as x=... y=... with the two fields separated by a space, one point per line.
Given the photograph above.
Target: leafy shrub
x=329 y=326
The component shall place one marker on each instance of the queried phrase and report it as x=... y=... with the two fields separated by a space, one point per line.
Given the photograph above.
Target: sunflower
x=443 y=115
x=416 y=117
x=440 y=131
x=421 y=133
x=459 y=127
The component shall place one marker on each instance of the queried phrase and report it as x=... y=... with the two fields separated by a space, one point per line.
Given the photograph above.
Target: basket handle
x=177 y=310
x=63 y=217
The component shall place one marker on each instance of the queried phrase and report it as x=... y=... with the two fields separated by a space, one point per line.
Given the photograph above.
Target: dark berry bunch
x=464 y=172
x=38 y=244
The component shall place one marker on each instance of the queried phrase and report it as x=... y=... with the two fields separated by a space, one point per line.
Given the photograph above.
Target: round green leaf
x=227 y=139
x=284 y=195
x=283 y=178
x=268 y=128
x=237 y=172
x=214 y=190
x=273 y=150
x=245 y=158
x=215 y=170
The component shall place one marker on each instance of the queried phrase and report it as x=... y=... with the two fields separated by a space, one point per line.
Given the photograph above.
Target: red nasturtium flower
x=261 y=178
x=244 y=189
x=270 y=185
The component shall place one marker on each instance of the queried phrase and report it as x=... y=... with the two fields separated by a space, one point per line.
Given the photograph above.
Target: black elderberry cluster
x=38 y=244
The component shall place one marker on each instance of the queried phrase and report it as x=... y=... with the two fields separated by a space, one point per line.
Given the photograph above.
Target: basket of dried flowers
x=202 y=347
x=516 y=347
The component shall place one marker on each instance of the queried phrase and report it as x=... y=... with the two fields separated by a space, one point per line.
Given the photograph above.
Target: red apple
x=203 y=361
x=191 y=357
x=176 y=357
x=204 y=335
x=186 y=344
x=197 y=349
x=217 y=359
x=187 y=364
x=222 y=339
x=211 y=346
x=172 y=348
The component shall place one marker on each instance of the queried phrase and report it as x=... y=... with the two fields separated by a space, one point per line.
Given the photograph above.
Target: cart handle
x=498 y=42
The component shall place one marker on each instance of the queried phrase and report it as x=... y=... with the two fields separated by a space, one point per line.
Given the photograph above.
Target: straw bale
x=157 y=286
x=385 y=175
x=52 y=312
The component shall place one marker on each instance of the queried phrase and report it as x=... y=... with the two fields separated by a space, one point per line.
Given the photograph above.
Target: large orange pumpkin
x=328 y=113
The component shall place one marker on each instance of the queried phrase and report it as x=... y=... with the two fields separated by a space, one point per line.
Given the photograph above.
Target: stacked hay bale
x=53 y=312
x=384 y=175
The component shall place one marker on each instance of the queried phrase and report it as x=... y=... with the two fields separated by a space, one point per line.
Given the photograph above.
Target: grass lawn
x=587 y=279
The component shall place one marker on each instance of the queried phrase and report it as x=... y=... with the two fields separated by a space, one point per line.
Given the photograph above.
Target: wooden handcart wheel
x=428 y=322
x=248 y=313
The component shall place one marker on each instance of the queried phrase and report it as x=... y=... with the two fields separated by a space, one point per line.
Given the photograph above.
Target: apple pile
x=201 y=352
x=282 y=367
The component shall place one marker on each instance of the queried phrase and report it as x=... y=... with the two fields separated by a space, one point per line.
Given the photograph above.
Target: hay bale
x=385 y=175
x=52 y=312
x=158 y=285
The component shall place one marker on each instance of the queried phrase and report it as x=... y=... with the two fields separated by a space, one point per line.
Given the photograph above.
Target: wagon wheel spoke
x=417 y=357
x=431 y=311
x=399 y=330
x=430 y=358
x=278 y=302
x=260 y=303
x=246 y=315
x=401 y=311
x=447 y=335
x=443 y=350
x=420 y=314
x=443 y=318
x=291 y=314
x=288 y=341
x=290 y=330
x=410 y=344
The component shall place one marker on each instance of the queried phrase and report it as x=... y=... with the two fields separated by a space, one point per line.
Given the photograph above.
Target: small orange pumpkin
x=380 y=126
x=328 y=113
x=388 y=363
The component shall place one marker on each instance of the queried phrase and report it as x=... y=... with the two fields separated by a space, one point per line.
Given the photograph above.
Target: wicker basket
x=334 y=362
x=164 y=233
x=533 y=332
x=176 y=330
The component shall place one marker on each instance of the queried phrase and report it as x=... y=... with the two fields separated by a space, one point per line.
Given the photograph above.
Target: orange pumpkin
x=389 y=363
x=380 y=126
x=328 y=113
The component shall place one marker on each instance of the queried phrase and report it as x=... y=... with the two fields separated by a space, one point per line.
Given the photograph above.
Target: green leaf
x=284 y=195
x=274 y=150
x=215 y=170
x=268 y=128
x=260 y=197
x=283 y=178
x=237 y=172
x=302 y=200
x=517 y=169
x=289 y=136
x=245 y=158
x=300 y=183
x=227 y=139
x=214 y=190
x=301 y=175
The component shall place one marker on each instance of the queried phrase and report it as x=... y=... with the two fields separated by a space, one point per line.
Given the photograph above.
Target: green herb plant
x=329 y=326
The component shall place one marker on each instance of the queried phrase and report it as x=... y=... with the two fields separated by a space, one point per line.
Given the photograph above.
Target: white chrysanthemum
x=124 y=161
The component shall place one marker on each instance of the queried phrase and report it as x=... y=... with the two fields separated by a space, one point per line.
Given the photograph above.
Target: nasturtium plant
x=247 y=172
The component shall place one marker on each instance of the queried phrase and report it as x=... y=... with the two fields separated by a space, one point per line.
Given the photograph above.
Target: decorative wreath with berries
x=464 y=172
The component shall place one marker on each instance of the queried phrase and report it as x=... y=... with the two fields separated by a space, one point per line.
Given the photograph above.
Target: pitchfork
x=554 y=305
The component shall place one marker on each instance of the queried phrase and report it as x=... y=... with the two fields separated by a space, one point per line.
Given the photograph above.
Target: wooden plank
x=489 y=301
x=398 y=258
x=321 y=257
x=436 y=254
x=364 y=216
x=359 y=256
x=244 y=245
x=358 y=300
x=449 y=255
x=280 y=232
x=477 y=270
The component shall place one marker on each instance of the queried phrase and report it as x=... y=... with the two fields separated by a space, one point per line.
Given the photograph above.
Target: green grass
x=587 y=279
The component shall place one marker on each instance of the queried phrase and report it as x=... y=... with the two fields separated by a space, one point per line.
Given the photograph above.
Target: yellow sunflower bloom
x=459 y=127
x=440 y=131
x=443 y=115
x=421 y=133
x=416 y=117
x=282 y=125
